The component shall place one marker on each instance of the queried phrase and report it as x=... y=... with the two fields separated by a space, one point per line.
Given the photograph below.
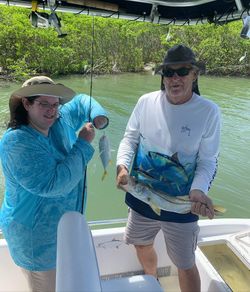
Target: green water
x=118 y=94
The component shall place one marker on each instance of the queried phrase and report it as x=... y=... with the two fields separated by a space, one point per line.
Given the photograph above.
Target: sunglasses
x=183 y=71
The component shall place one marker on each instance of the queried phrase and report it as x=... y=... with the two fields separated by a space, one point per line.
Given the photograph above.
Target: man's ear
x=195 y=76
x=162 y=84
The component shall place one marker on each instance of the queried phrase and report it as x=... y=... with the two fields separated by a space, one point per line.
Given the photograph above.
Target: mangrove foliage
x=112 y=45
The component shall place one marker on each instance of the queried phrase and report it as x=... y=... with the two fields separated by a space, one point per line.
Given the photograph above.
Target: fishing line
x=89 y=111
x=92 y=65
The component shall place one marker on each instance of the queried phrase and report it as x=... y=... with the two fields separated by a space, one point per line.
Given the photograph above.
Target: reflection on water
x=118 y=94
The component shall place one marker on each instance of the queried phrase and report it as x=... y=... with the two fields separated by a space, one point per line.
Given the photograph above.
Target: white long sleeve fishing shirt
x=160 y=135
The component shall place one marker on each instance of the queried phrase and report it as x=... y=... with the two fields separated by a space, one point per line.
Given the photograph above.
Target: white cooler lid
x=240 y=244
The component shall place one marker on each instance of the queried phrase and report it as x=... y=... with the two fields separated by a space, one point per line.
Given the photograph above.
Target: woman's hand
x=87 y=132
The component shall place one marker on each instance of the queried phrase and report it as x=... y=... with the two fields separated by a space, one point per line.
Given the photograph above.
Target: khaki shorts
x=180 y=238
x=41 y=281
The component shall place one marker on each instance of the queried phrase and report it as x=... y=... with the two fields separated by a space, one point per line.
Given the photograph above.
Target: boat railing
x=108 y=222
x=96 y=223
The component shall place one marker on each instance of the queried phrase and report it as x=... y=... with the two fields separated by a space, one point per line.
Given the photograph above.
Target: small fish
x=161 y=201
x=111 y=243
x=105 y=153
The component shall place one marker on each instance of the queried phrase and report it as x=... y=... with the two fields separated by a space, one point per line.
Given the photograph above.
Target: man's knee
x=144 y=248
x=190 y=271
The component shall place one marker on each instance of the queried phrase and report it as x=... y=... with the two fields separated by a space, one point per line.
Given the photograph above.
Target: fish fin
x=104 y=174
x=174 y=158
x=219 y=210
x=183 y=198
x=150 y=185
x=178 y=187
x=156 y=209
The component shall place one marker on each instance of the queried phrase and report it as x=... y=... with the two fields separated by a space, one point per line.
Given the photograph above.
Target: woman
x=44 y=163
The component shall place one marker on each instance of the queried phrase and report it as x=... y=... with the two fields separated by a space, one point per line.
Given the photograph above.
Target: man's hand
x=87 y=132
x=201 y=204
x=122 y=176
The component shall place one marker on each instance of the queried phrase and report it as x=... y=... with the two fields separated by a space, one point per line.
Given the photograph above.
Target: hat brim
x=200 y=65
x=64 y=93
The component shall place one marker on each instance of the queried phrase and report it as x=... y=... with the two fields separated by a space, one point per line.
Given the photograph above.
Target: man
x=44 y=154
x=172 y=137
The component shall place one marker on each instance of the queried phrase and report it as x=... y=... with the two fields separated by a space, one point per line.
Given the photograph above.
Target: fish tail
x=156 y=209
x=104 y=174
x=219 y=210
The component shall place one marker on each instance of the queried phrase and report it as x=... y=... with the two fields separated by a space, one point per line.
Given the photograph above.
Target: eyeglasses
x=45 y=105
x=183 y=71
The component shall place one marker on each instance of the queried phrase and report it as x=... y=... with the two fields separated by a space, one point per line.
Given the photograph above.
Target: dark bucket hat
x=179 y=54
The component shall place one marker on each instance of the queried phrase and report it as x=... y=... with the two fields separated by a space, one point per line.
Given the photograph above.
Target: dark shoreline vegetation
x=119 y=46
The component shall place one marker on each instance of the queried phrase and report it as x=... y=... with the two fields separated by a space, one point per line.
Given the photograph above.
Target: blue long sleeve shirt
x=44 y=178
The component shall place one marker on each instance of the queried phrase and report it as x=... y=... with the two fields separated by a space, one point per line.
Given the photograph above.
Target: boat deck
x=223 y=249
x=170 y=283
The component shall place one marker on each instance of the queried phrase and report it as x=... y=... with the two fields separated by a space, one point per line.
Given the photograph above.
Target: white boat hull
x=116 y=259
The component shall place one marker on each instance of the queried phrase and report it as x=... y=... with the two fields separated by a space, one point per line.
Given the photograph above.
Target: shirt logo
x=186 y=129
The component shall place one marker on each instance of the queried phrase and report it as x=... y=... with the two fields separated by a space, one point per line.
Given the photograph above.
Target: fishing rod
x=84 y=192
x=92 y=65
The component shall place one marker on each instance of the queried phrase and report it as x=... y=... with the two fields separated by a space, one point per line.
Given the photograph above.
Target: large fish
x=161 y=201
x=105 y=153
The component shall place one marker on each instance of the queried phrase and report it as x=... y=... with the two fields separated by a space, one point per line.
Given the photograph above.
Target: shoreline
x=226 y=70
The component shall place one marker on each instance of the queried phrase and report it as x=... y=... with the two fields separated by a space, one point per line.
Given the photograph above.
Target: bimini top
x=156 y=11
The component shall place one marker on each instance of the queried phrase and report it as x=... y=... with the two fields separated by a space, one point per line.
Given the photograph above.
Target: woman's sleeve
x=80 y=110
x=37 y=171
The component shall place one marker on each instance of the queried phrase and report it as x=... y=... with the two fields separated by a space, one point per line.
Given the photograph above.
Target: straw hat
x=43 y=85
